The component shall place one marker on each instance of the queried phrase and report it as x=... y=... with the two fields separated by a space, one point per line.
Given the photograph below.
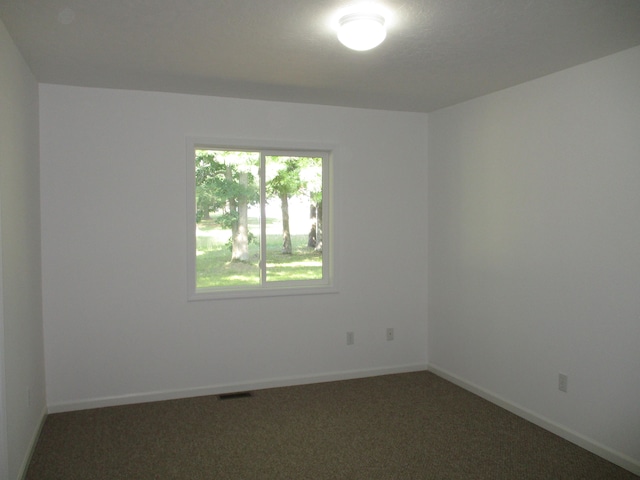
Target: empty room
x=239 y=241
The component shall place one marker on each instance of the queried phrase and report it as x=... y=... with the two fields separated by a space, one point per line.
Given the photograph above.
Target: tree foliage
x=226 y=185
x=210 y=184
x=311 y=175
x=285 y=184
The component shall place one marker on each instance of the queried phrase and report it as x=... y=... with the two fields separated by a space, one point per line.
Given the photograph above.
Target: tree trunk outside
x=286 y=234
x=319 y=227
x=312 y=241
x=240 y=228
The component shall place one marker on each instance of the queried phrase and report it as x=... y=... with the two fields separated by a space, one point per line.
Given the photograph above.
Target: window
x=259 y=221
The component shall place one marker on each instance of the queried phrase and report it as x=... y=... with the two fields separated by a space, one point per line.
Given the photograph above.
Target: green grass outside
x=214 y=268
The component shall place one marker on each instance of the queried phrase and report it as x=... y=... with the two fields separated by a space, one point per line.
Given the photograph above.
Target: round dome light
x=361 y=31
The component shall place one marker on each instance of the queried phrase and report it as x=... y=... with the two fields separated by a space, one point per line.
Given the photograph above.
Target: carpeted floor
x=405 y=426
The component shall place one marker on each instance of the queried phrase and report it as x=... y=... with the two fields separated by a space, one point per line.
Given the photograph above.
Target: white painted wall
x=118 y=327
x=21 y=353
x=534 y=249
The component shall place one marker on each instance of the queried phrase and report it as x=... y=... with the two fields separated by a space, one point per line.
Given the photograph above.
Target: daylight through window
x=261 y=222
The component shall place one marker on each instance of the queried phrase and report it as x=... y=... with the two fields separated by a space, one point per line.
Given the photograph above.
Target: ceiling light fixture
x=361 y=31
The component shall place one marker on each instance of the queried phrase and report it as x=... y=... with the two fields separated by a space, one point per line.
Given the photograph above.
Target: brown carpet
x=404 y=426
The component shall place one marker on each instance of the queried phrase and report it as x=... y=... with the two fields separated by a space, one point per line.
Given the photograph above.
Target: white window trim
x=329 y=282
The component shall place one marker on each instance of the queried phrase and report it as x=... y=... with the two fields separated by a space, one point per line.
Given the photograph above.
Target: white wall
x=118 y=327
x=21 y=349
x=534 y=250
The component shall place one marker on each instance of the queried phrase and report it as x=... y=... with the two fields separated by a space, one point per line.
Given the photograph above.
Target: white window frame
x=266 y=289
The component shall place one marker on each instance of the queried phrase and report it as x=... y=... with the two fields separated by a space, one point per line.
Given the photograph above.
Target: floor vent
x=231 y=396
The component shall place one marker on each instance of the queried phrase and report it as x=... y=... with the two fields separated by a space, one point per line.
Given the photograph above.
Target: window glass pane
x=293 y=188
x=227 y=192
x=258 y=224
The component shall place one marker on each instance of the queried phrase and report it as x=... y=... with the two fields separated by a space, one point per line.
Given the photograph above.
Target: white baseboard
x=597 y=448
x=229 y=388
x=32 y=444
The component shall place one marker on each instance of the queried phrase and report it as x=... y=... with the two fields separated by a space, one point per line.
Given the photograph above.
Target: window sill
x=231 y=293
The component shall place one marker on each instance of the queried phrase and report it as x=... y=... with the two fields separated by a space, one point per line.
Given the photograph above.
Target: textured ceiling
x=437 y=52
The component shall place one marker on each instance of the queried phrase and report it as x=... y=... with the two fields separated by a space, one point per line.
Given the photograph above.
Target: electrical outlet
x=563 y=380
x=349 y=338
x=389 y=334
